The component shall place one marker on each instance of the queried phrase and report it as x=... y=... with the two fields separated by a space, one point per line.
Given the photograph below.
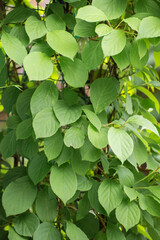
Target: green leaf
x=24 y=129
x=14 y=236
x=84 y=29
x=126 y=177
x=83 y=183
x=42 y=47
x=155 y=190
x=103 y=92
x=46 y=208
x=75 y=72
x=9 y=98
x=142 y=48
x=141 y=121
x=92 y=54
x=131 y=193
x=129 y=105
x=63 y=182
x=110 y=195
x=38 y=167
x=139 y=154
x=93 y=198
x=54 y=22
x=92 y=117
x=103 y=29
x=120 y=142
x=45 y=123
x=133 y=22
x=63 y=42
x=98 y=139
x=113 y=43
x=74 y=137
x=2 y=59
x=123 y=58
x=69 y=96
x=8 y=145
x=27 y=147
x=149 y=27
x=114 y=233
x=67 y=114
x=53 y=145
x=149 y=204
x=13 y=48
x=18 y=14
x=128 y=214
x=19 y=196
x=134 y=56
x=80 y=167
x=35 y=28
x=150 y=96
x=45 y=95
x=89 y=152
x=38 y=66
x=91 y=14
x=83 y=211
x=13 y=174
x=73 y=232
x=112 y=8
x=70 y=21
x=26 y=224
x=65 y=156
x=47 y=231
x=19 y=32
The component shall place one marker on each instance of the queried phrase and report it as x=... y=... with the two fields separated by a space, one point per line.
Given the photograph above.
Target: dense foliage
x=80 y=154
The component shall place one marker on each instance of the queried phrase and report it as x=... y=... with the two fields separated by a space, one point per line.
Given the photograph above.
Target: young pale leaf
x=54 y=22
x=92 y=117
x=110 y=195
x=24 y=129
x=133 y=22
x=92 y=54
x=112 y=8
x=114 y=233
x=35 y=28
x=63 y=42
x=74 y=137
x=145 y=123
x=63 y=182
x=83 y=184
x=89 y=152
x=155 y=190
x=44 y=96
x=26 y=224
x=129 y=105
x=131 y=193
x=149 y=27
x=113 y=43
x=75 y=72
x=53 y=145
x=38 y=66
x=67 y=114
x=74 y=232
x=91 y=14
x=19 y=196
x=99 y=139
x=103 y=92
x=103 y=29
x=45 y=123
x=128 y=214
x=120 y=142
x=126 y=177
x=38 y=167
x=46 y=208
x=8 y=145
x=47 y=231
x=13 y=47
